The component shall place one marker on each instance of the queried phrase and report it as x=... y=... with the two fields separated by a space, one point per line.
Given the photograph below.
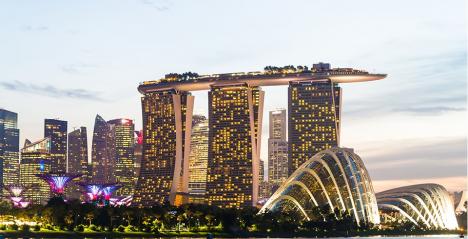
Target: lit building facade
x=78 y=159
x=314 y=119
x=277 y=148
x=124 y=155
x=198 y=161
x=235 y=119
x=56 y=130
x=333 y=179
x=167 y=125
x=138 y=152
x=103 y=152
x=35 y=159
x=9 y=148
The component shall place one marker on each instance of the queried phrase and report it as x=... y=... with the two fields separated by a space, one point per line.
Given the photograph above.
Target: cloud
x=160 y=5
x=434 y=110
x=30 y=28
x=415 y=158
x=76 y=68
x=51 y=91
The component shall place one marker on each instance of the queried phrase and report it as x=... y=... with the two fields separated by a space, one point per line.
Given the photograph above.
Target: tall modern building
x=198 y=161
x=56 y=130
x=124 y=171
x=167 y=125
x=277 y=148
x=138 y=152
x=103 y=152
x=314 y=119
x=235 y=119
x=78 y=159
x=235 y=108
x=35 y=159
x=9 y=148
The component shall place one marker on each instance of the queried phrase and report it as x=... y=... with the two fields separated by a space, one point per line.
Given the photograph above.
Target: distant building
x=35 y=159
x=138 y=152
x=9 y=148
x=124 y=171
x=103 y=152
x=78 y=159
x=277 y=148
x=235 y=120
x=198 y=161
x=167 y=125
x=314 y=119
x=56 y=130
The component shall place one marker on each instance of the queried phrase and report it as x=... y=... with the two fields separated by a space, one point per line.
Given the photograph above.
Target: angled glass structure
x=103 y=151
x=334 y=178
x=424 y=205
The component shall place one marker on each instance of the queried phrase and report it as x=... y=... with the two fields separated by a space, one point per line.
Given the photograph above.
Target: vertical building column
x=314 y=119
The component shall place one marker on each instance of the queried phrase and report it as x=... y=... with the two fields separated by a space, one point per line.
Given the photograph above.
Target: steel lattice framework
x=336 y=179
x=425 y=205
x=58 y=181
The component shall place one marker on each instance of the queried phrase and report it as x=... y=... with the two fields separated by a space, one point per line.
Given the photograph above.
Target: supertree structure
x=121 y=201
x=98 y=193
x=58 y=181
x=16 y=195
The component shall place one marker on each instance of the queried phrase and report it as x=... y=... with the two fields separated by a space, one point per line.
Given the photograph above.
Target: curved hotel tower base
x=424 y=205
x=335 y=179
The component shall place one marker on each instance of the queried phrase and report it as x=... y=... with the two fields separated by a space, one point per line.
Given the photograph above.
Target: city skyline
x=414 y=98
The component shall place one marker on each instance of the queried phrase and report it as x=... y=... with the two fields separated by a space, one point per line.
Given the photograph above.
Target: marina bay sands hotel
x=236 y=103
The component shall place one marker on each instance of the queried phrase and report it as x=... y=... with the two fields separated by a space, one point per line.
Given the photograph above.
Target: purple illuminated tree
x=16 y=195
x=98 y=193
x=58 y=181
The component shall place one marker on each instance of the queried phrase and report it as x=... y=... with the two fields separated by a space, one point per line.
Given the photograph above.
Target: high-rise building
x=277 y=148
x=103 y=152
x=198 y=161
x=314 y=119
x=78 y=159
x=9 y=148
x=167 y=125
x=35 y=159
x=56 y=130
x=124 y=133
x=235 y=119
x=138 y=152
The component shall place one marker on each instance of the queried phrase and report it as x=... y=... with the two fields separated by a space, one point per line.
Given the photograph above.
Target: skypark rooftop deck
x=277 y=76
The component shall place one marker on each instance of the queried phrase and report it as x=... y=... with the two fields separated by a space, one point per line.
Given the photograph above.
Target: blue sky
x=74 y=59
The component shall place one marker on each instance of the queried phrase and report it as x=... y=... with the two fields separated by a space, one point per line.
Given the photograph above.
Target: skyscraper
x=9 y=148
x=56 y=130
x=235 y=119
x=314 y=119
x=198 y=161
x=78 y=159
x=277 y=148
x=167 y=125
x=103 y=152
x=35 y=159
x=138 y=152
x=124 y=155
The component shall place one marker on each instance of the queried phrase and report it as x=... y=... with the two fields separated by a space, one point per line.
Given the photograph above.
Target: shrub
x=36 y=228
x=2 y=227
x=79 y=228
x=25 y=228
x=93 y=227
x=121 y=228
x=14 y=227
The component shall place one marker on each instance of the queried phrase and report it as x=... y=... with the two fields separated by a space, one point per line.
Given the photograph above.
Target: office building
x=235 y=119
x=56 y=130
x=167 y=125
x=277 y=148
x=9 y=148
x=138 y=152
x=78 y=159
x=35 y=159
x=124 y=133
x=103 y=152
x=198 y=161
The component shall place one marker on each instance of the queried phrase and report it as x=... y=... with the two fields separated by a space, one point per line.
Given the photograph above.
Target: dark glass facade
x=78 y=159
x=233 y=145
x=314 y=119
x=9 y=148
x=56 y=130
x=103 y=152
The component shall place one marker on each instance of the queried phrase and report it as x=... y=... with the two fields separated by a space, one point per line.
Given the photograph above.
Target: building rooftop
x=270 y=76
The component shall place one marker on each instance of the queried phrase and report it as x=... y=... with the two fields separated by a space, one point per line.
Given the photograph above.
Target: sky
x=75 y=59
